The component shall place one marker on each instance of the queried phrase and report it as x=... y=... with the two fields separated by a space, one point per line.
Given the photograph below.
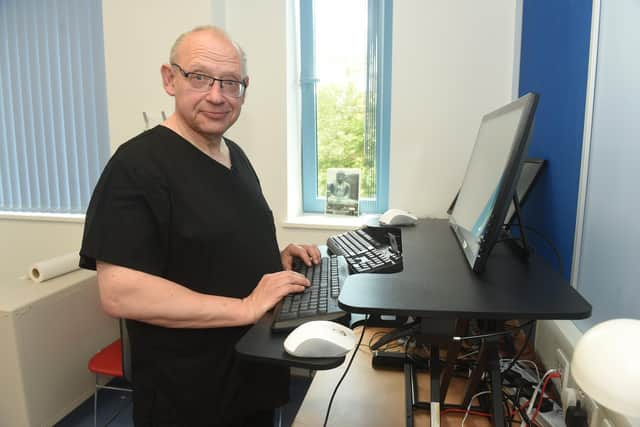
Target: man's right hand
x=270 y=290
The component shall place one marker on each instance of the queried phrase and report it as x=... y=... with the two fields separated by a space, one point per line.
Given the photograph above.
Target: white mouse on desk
x=397 y=217
x=320 y=338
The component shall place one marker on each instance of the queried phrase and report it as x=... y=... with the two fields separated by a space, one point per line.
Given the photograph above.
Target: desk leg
x=434 y=368
x=476 y=375
x=453 y=349
x=497 y=411
x=410 y=392
x=411 y=389
x=489 y=361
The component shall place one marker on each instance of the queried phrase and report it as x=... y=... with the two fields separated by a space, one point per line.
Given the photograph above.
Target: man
x=184 y=246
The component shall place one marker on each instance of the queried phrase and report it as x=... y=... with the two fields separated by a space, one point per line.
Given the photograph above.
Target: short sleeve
x=127 y=220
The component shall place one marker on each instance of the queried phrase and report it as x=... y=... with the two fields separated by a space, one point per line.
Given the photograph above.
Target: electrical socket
x=595 y=417
x=592 y=408
x=569 y=391
x=563 y=334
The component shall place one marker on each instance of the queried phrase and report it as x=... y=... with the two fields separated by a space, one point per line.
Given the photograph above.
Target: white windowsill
x=45 y=217
x=327 y=222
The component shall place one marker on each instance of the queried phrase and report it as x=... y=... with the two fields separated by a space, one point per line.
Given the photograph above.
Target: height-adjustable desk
x=438 y=287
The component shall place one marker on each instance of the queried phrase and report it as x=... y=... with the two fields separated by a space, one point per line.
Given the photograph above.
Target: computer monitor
x=490 y=180
x=531 y=169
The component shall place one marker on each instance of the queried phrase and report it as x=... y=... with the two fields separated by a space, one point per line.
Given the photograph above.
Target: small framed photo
x=343 y=191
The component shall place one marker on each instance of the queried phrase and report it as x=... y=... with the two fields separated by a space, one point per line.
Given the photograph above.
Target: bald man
x=185 y=249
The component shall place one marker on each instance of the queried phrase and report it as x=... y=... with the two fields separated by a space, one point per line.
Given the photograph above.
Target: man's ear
x=246 y=85
x=168 y=79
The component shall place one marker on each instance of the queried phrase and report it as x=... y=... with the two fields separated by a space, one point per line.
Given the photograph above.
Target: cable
x=406 y=345
x=344 y=374
x=544 y=387
x=524 y=346
x=516 y=397
x=519 y=409
x=463 y=411
x=386 y=347
x=505 y=403
x=493 y=334
x=406 y=330
x=530 y=362
x=374 y=337
x=544 y=380
x=466 y=414
x=547 y=240
x=464 y=356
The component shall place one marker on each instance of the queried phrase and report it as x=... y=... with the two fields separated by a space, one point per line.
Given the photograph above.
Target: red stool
x=108 y=362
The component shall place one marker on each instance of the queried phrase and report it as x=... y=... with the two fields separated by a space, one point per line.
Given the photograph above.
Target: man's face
x=207 y=113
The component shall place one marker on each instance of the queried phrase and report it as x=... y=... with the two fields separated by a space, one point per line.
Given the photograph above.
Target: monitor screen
x=490 y=180
x=531 y=169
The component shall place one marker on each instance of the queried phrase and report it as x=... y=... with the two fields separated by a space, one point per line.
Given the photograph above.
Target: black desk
x=263 y=345
x=437 y=282
x=437 y=285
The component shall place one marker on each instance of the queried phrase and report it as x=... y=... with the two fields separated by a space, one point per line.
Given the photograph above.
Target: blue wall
x=554 y=62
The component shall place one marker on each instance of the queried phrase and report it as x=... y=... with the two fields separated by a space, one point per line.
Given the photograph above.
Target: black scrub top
x=165 y=208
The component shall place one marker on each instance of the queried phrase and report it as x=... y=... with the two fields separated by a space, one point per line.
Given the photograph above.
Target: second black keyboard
x=365 y=254
x=319 y=301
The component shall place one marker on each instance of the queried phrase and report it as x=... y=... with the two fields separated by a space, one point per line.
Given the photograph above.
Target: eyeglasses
x=203 y=83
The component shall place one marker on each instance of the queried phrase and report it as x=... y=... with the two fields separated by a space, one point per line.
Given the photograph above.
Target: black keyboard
x=366 y=254
x=319 y=301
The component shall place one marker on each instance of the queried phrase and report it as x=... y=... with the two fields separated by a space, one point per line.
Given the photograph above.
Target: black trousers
x=156 y=410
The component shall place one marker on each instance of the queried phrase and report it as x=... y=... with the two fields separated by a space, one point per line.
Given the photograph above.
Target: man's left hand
x=307 y=253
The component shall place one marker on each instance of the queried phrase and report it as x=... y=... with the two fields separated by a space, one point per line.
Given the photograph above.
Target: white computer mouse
x=397 y=217
x=320 y=338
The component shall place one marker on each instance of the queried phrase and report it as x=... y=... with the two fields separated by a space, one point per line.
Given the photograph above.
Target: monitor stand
x=519 y=245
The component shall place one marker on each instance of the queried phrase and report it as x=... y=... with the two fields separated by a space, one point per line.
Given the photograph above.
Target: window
x=53 y=110
x=345 y=67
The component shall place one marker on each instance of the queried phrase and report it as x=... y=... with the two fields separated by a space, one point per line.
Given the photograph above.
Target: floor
x=115 y=407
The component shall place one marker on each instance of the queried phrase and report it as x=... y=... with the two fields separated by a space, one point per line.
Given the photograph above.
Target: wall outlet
x=552 y=335
x=592 y=408
x=596 y=416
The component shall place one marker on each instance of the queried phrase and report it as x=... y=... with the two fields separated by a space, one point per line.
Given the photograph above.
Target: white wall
x=24 y=242
x=452 y=62
x=137 y=38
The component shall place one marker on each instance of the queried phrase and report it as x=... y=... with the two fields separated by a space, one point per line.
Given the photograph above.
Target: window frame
x=379 y=75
